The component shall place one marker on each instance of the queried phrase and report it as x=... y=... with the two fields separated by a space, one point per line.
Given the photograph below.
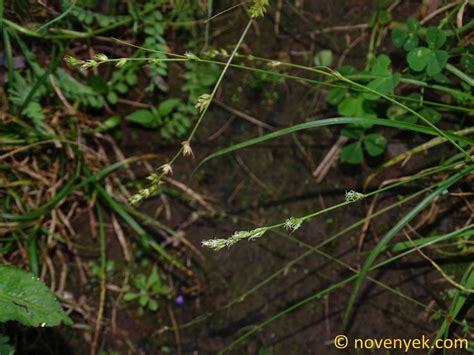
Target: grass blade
x=442 y=187
x=331 y=122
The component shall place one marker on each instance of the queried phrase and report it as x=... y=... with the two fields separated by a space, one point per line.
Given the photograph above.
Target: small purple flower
x=179 y=300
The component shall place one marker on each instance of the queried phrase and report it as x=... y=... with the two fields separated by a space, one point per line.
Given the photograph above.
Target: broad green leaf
x=109 y=123
x=5 y=347
x=143 y=117
x=25 y=298
x=384 y=17
x=385 y=85
x=98 y=84
x=112 y=97
x=167 y=106
x=130 y=296
x=413 y=24
x=395 y=111
x=467 y=60
x=441 y=78
x=435 y=37
x=399 y=37
x=152 y=305
x=346 y=70
x=323 y=58
x=430 y=114
x=385 y=82
x=418 y=58
x=352 y=153
x=406 y=39
x=355 y=106
x=374 y=144
x=336 y=95
x=411 y=41
x=436 y=61
x=352 y=132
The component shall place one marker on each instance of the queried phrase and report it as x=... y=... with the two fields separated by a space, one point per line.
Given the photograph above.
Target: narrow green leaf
x=441 y=188
x=331 y=122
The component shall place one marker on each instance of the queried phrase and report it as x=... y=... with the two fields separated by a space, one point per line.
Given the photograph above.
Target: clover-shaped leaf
x=385 y=82
x=407 y=39
x=352 y=153
x=422 y=58
x=430 y=114
x=435 y=37
x=374 y=144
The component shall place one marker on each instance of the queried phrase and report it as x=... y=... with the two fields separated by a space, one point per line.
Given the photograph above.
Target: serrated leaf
x=352 y=153
x=435 y=37
x=25 y=298
x=374 y=144
x=143 y=117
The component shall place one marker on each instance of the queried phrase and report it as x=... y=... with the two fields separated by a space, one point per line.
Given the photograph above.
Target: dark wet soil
x=266 y=184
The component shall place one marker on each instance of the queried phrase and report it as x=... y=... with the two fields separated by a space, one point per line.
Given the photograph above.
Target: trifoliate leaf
x=352 y=153
x=375 y=144
x=435 y=37
x=418 y=58
x=430 y=114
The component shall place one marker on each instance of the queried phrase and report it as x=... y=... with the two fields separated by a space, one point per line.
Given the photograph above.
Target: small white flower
x=187 y=148
x=167 y=169
x=101 y=57
x=203 y=102
x=215 y=244
x=353 y=196
x=293 y=223
x=121 y=62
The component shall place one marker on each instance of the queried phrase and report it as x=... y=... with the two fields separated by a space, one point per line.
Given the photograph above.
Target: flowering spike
x=203 y=102
x=353 y=196
x=187 y=148
x=293 y=223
